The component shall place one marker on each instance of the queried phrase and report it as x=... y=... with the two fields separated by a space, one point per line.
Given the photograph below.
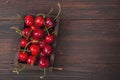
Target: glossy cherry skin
x=38 y=33
x=42 y=43
x=26 y=32
x=29 y=20
x=39 y=21
x=47 y=50
x=23 y=42
x=23 y=56
x=49 y=39
x=49 y=22
x=31 y=60
x=34 y=49
x=44 y=62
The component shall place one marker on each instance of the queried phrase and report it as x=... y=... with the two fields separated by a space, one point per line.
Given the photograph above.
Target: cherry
x=25 y=32
x=42 y=43
x=23 y=42
x=31 y=60
x=49 y=39
x=34 y=49
x=29 y=20
x=39 y=21
x=23 y=56
x=49 y=22
x=47 y=49
x=44 y=62
x=38 y=33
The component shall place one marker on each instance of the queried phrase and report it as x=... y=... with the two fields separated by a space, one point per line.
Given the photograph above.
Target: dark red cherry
x=44 y=62
x=26 y=32
x=31 y=60
x=49 y=39
x=39 y=21
x=29 y=20
x=47 y=49
x=38 y=33
x=34 y=49
x=49 y=22
x=42 y=43
x=23 y=56
x=23 y=42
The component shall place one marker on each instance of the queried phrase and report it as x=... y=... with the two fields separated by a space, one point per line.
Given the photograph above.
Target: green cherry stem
x=59 y=6
x=21 y=69
x=46 y=29
x=29 y=34
x=27 y=46
x=20 y=17
x=17 y=31
x=18 y=69
x=49 y=12
x=44 y=75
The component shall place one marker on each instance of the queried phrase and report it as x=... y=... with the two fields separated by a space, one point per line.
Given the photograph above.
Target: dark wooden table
x=89 y=39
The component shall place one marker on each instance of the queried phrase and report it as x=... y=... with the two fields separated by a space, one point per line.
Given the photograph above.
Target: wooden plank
x=78 y=9
x=89 y=41
x=95 y=42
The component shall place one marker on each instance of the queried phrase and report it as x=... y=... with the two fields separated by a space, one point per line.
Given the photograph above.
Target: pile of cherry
x=37 y=40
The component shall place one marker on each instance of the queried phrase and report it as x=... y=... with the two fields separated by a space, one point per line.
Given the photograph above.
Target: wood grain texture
x=88 y=45
x=77 y=9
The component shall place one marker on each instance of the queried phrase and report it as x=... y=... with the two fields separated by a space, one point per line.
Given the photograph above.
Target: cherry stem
x=49 y=12
x=59 y=6
x=41 y=14
x=17 y=31
x=22 y=68
x=29 y=34
x=18 y=70
x=24 y=50
x=44 y=75
x=46 y=29
x=27 y=46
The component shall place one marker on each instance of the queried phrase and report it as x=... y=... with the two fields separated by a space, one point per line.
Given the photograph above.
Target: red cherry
x=25 y=32
x=38 y=33
x=44 y=62
x=23 y=56
x=31 y=60
x=34 y=49
x=47 y=49
x=39 y=21
x=29 y=20
x=42 y=44
x=49 y=39
x=23 y=42
x=28 y=17
x=49 y=22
